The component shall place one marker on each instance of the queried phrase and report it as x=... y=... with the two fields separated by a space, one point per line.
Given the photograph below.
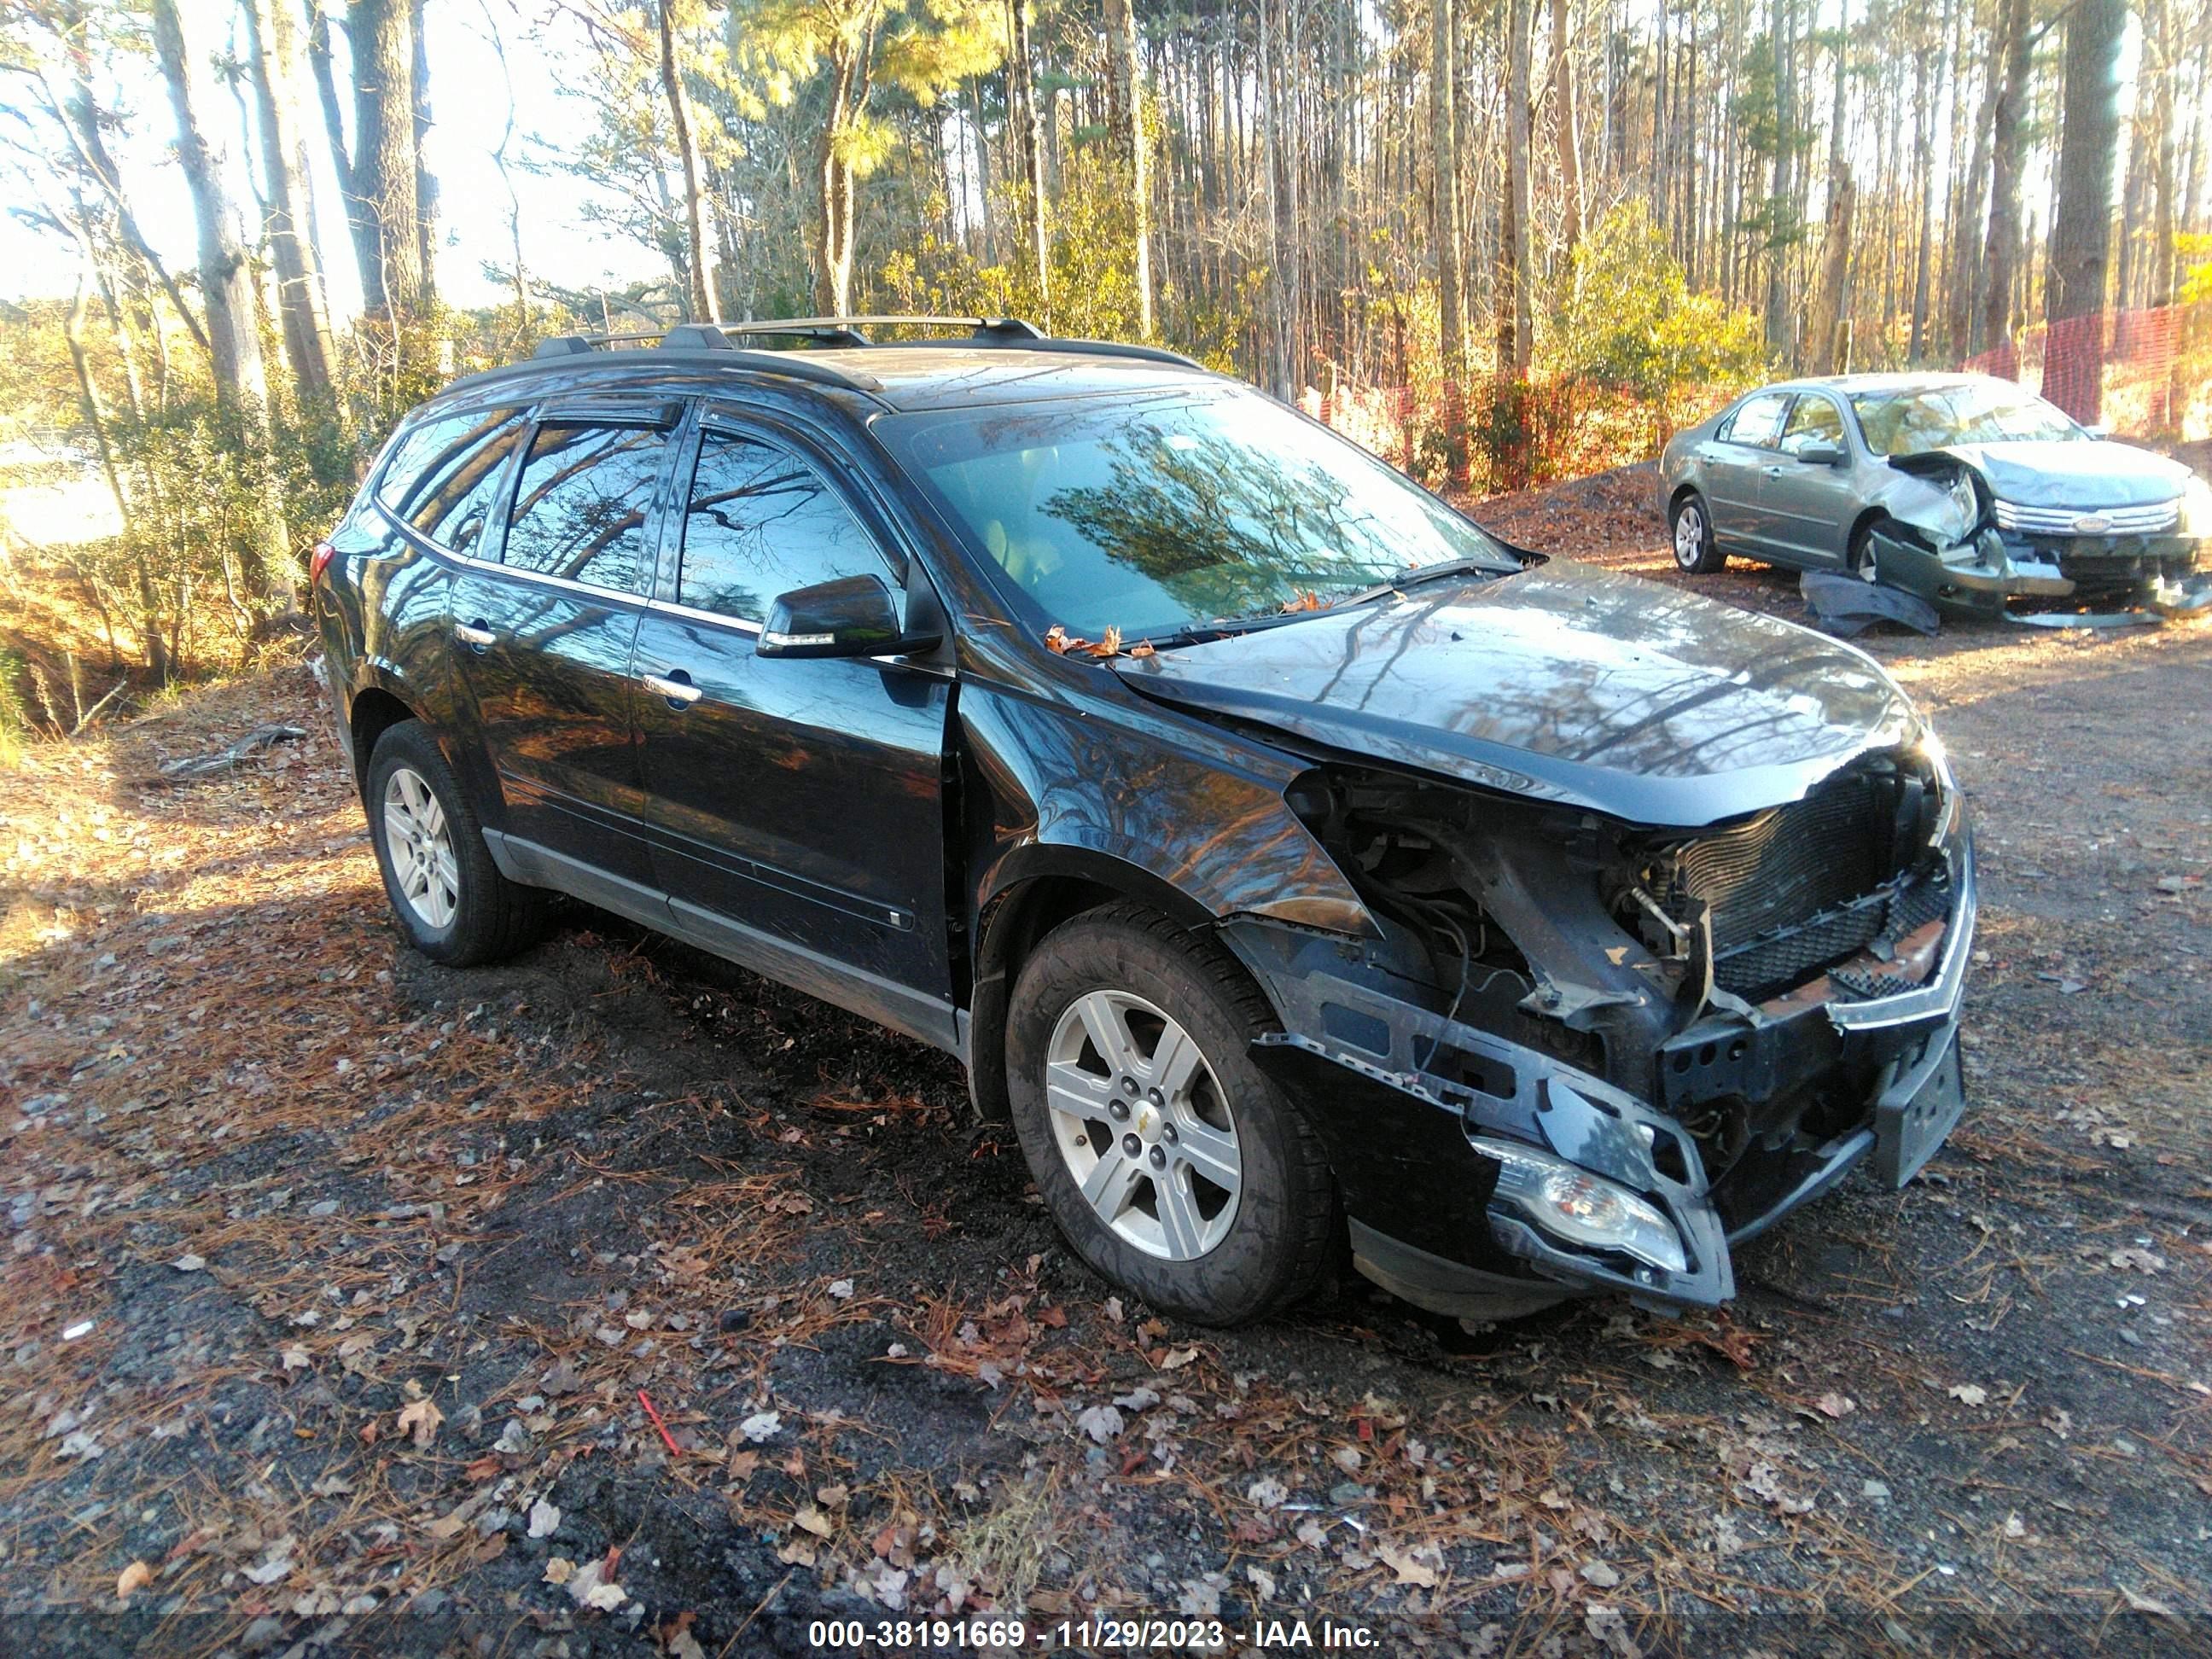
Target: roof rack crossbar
x=578 y=345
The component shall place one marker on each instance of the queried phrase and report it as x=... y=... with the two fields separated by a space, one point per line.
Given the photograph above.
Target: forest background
x=1498 y=241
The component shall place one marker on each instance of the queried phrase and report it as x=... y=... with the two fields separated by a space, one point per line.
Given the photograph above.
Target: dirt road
x=338 y=1285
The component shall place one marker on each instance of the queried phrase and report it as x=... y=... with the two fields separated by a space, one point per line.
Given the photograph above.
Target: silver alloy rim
x=422 y=847
x=1144 y=1125
x=1689 y=536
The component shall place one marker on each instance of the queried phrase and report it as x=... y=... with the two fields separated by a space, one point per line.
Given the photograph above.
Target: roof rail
x=578 y=345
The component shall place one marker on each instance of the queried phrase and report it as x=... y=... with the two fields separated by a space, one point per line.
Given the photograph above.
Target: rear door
x=545 y=635
x=796 y=806
x=1738 y=453
x=1807 y=508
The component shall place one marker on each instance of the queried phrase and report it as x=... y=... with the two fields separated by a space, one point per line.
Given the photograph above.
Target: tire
x=1690 y=525
x=1207 y=1250
x=448 y=897
x=1859 y=561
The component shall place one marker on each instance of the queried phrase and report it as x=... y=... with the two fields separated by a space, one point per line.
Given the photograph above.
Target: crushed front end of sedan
x=1980 y=528
x=1659 y=951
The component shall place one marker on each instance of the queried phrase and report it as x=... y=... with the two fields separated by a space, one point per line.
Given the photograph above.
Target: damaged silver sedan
x=1964 y=490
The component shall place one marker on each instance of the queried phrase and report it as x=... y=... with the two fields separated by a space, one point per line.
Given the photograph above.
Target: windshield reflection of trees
x=1227 y=528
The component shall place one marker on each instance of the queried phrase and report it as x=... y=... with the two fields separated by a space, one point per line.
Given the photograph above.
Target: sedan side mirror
x=1821 y=455
x=2100 y=430
x=851 y=617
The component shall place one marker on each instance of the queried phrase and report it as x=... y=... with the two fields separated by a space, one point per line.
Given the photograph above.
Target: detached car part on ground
x=1297 y=866
x=1963 y=490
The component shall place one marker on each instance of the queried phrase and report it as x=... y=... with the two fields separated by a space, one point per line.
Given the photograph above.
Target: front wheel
x=1170 y=1162
x=1691 y=521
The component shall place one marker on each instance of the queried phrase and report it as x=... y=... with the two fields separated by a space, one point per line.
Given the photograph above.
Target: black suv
x=1294 y=863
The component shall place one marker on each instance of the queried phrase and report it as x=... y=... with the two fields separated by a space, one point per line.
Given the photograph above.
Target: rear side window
x=444 y=479
x=760 y=522
x=1758 y=422
x=584 y=501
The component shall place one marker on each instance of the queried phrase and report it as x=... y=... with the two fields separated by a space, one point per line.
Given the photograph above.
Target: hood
x=2075 y=473
x=1565 y=683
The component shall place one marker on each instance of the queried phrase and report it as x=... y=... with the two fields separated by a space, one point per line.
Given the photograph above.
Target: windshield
x=1971 y=412
x=1155 y=514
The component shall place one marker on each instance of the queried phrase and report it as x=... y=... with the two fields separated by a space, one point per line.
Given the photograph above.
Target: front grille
x=1793 y=891
x=2150 y=520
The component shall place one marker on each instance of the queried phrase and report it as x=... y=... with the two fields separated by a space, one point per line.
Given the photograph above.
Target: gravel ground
x=612 y=1300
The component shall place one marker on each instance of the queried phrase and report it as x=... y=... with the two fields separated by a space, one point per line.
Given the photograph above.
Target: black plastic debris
x=1846 y=607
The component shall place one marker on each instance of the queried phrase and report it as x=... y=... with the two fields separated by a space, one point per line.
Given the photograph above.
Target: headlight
x=1577 y=1208
x=2196 y=507
x=1931 y=750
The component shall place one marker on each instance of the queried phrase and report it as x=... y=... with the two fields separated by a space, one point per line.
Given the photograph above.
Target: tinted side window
x=1814 y=421
x=582 y=506
x=445 y=475
x=1758 y=421
x=760 y=522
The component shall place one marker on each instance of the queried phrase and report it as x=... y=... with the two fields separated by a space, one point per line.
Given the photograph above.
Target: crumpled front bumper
x=1975 y=577
x=1363 y=1064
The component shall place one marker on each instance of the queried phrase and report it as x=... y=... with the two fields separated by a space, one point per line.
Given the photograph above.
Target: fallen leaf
x=810 y=1519
x=1409 y=1565
x=421 y=1418
x=544 y=1518
x=1267 y=1493
x=761 y=1426
x=559 y=1570
x=296 y=1359
x=1973 y=1393
x=1101 y=1423
x=1109 y=644
x=1837 y=1405
x=132 y=1579
x=842 y=1289
x=189 y=1264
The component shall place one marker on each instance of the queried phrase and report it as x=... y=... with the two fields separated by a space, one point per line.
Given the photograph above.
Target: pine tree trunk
x=425 y=182
x=1563 y=119
x=2081 y=216
x=1515 y=345
x=273 y=43
x=233 y=335
x=701 y=305
x=1825 y=356
x=1782 y=222
x=1124 y=81
x=381 y=204
x=2008 y=151
x=1443 y=130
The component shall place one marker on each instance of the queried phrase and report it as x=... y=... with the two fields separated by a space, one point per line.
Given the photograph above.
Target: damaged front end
x=1579 y=1054
x=1951 y=542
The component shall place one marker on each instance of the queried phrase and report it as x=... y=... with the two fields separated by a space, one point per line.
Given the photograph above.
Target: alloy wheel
x=1689 y=536
x=420 y=844
x=1144 y=1125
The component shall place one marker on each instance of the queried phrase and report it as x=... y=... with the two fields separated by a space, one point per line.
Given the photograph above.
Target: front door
x=1808 y=505
x=545 y=636
x=1735 y=456
x=797 y=804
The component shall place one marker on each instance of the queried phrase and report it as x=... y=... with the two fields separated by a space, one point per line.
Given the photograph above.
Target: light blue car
x=1962 y=488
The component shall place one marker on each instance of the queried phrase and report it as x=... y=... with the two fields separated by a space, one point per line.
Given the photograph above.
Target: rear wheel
x=1170 y=1162
x=1691 y=522
x=447 y=895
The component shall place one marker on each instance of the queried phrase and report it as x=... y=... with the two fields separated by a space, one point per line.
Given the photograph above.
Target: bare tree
x=1515 y=346
x=382 y=206
x=273 y=41
x=1125 y=75
x=2008 y=149
x=2082 y=218
x=699 y=249
x=1443 y=129
x=227 y=280
x=1570 y=142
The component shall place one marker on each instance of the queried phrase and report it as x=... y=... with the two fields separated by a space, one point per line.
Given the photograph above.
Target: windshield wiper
x=1415 y=575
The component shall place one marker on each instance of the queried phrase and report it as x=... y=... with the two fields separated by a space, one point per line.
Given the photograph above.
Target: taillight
x=318 y=561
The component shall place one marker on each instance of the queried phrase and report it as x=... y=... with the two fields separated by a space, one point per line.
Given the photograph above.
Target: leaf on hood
x=1110 y=646
x=1304 y=599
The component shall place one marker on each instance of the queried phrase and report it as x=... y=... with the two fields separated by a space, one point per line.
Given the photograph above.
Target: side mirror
x=2100 y=430
x=1821 y=455
x=851 y=616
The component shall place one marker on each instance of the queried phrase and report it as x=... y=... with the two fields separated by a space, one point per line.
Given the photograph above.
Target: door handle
x=475 y=635
x=675 y=686
x=1776 y=471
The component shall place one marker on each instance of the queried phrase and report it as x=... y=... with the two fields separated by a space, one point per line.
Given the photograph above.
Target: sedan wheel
x=1692 y=526
x=421 y=844
x=1144 y=1128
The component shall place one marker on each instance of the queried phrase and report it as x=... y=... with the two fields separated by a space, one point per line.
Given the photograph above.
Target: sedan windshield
x=1969 y=412
x=1160 y=514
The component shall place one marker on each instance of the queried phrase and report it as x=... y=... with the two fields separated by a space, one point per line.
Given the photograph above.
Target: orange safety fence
x=2118 y=369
